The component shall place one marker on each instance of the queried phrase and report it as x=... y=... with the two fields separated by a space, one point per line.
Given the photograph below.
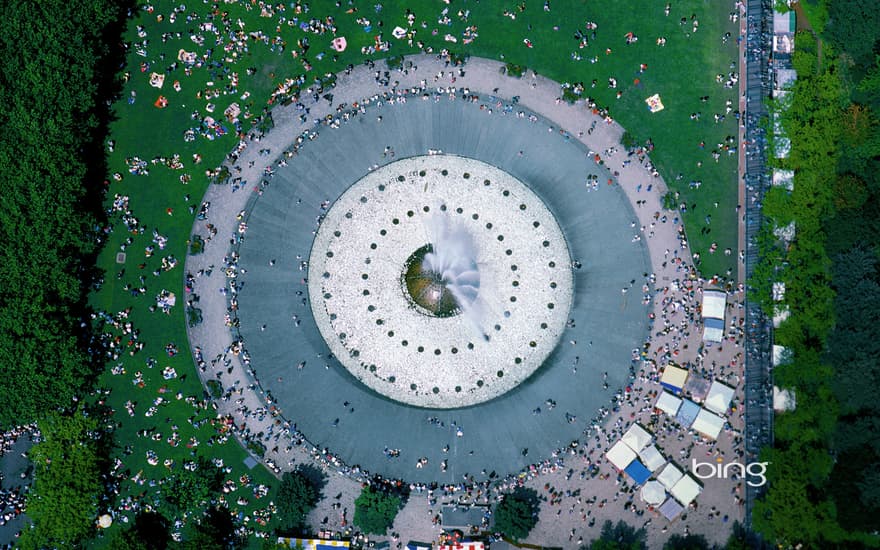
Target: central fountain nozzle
x=442 y=277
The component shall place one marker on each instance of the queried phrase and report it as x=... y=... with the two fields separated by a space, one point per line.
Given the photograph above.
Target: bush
x=458 y=59
x=629 y=141
x=394 y=62
x=194 y=318
x=569 y=95
x=214 y=388
x=196 y=245
x=257 y=448
x=221 y=176
x=516 y=71
x=265 y=123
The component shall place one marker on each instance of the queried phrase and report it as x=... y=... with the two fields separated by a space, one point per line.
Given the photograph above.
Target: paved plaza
x=350 y=427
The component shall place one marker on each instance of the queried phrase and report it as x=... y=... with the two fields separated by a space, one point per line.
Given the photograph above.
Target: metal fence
x=758 y=431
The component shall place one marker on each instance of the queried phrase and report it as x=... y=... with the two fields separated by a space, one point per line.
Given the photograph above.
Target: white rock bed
x=362 y=309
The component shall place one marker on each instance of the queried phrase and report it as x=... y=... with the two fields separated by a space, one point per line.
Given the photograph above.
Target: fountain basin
x=384 y=310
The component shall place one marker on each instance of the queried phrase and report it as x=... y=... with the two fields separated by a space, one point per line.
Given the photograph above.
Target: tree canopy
x=375 y=510
x=517 y=514
x=216 y=529
x=189 y=489
x=63 y=502
x=821 y=489
x=852 y=28
x=619 y=536
x=687 y=542
x=297 y=496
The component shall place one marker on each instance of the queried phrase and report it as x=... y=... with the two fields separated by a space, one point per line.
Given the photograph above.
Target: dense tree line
x=854 y=246
x=824 y=488
x=53 y=117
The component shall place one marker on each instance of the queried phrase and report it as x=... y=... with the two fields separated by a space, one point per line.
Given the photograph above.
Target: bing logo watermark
x=708 y=470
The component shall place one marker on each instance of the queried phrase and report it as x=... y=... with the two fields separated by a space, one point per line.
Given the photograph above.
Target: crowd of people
x=15 y=478
x=677 y=310
x=675 y=333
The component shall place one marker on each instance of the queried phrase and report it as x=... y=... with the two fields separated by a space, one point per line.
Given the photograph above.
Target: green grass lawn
x=681 y=72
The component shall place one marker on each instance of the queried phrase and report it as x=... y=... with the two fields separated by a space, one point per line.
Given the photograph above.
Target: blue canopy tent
x=638 y=472
x=687 y=413
x=674 y=378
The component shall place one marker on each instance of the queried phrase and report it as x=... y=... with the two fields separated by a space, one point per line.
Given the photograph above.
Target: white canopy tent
x=719 y=397
x=778 y=291
x=651 y=458
x=653 y=493
x=686 y=490
x=620 y=455
x=713 y=330
x=785 y=233
x=780 y=355
x=636 y=438
x=780 y=314
x=783 y=400
x=783 y=178
x=668 y=403
x=714 y=303
x=670 y=476
x=697 y=387
x=708 y=424
x=784 y=22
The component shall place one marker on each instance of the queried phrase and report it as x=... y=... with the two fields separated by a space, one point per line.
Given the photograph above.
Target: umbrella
x=653 y=492
x=105 y=521
x=339 y=43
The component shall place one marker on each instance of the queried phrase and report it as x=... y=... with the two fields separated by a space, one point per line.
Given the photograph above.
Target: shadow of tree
x=315 y=476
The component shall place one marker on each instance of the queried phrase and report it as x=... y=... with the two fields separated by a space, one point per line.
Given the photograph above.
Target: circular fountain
x=328 y=320
x=443 y=281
